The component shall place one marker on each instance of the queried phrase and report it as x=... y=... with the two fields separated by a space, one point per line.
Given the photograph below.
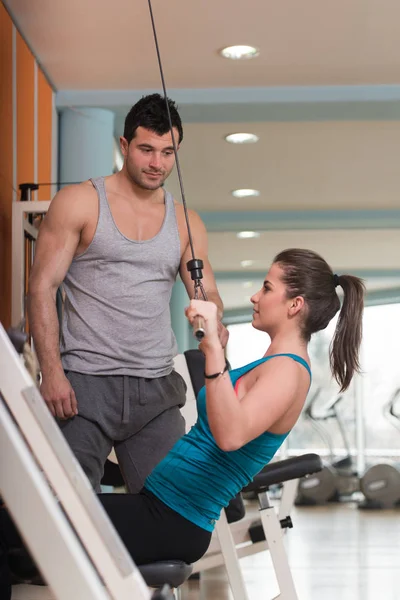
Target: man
x=117 y=244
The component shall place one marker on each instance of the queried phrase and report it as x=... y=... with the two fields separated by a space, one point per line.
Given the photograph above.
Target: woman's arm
x=235 y=422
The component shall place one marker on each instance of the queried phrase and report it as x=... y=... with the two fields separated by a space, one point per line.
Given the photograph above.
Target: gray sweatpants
x=139 y=417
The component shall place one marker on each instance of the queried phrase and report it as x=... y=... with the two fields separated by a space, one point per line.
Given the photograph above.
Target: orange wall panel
x=45 y=117
x=25 y=113
x=21 y=111
x=6 y=164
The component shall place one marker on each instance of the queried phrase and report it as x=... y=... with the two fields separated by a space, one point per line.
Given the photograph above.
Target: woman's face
x=270 y=303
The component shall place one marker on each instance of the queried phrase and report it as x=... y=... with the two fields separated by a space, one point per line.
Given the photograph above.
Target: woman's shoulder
x=287 y=361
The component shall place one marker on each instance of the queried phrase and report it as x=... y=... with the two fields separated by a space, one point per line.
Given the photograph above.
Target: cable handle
x=195 y=267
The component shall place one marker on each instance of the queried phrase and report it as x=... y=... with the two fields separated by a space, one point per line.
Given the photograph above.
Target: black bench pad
x=156 y=575
x=285 y=470
x=171 y=572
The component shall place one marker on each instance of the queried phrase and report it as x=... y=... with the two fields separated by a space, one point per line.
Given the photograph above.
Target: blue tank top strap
x=237 y=373
x=298 y=359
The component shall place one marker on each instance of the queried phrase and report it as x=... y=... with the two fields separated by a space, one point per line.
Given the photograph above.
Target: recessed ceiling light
x=247 y=284
x=240 y=52
x=244 y=235
x=246 y=263
x=242 y=138
x=245 y=193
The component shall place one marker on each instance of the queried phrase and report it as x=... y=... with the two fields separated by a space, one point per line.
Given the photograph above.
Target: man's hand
x=223 y=334
x=59 y=396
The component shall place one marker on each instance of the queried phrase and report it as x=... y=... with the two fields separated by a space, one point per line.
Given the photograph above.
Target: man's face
x=149 y=157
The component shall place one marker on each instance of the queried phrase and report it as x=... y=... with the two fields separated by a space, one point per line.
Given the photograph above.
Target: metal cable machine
x=47 y=494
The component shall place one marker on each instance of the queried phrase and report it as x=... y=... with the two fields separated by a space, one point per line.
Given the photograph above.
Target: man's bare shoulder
x=76 y=192
x=74 y=205
x=80 y=196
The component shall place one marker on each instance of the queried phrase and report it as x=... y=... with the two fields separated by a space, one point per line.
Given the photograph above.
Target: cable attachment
x=195 y=267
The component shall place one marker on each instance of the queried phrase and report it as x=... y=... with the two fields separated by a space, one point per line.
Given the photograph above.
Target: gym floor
x=335 y=553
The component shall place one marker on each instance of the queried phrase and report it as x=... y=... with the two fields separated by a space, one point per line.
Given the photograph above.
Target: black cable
x=195 y=265
x=178 y=167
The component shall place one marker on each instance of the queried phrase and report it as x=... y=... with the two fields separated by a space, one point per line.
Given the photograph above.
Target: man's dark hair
x=150 y=112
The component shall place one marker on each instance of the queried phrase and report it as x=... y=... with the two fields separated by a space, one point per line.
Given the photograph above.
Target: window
x=380 y=380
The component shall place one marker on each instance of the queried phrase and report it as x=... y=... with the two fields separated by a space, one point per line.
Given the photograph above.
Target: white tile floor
x=335 y=553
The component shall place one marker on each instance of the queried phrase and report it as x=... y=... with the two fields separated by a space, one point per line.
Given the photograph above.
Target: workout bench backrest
x=181 y=365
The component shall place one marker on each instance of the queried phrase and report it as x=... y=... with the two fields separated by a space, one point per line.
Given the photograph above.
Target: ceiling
x=343 y=248
x=306 y=165
x=323 y=96
x=90 y=44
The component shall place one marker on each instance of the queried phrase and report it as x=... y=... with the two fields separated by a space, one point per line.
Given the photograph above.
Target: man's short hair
x=150 y=112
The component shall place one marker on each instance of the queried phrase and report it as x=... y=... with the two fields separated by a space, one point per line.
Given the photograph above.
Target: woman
x=243 y=415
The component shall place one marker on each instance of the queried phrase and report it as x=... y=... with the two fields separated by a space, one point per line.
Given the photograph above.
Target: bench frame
x=234 y=543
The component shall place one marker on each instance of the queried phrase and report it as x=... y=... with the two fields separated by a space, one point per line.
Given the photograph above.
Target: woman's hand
x=208 y=311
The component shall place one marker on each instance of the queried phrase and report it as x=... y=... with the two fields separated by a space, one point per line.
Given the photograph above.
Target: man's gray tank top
x=116 y=317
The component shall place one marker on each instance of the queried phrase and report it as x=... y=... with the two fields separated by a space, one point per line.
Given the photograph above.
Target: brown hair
x=307 y=274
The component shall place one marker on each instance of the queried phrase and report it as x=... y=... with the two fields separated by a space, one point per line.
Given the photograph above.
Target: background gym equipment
x=26 y=218
x=338 y=479
x=380 y=483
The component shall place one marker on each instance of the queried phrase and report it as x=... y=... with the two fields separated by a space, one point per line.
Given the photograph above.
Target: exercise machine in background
x=380 y=483
x=338 y=481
